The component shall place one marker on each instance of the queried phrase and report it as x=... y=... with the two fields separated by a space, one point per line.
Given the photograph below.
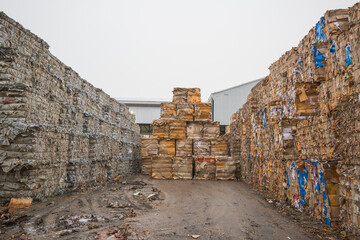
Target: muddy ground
x=140 y=208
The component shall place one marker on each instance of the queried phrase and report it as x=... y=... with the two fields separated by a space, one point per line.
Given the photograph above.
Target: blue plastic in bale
x=287 y=179
x=319 y=27
x=332 y=50
x=349 y=61
x=302 y=179
x=318 y=57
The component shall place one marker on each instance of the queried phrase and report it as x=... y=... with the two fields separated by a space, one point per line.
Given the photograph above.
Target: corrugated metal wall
x=228 y=101
x=145 y=114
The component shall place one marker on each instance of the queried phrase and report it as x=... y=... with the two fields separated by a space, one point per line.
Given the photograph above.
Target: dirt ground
x=140 y=208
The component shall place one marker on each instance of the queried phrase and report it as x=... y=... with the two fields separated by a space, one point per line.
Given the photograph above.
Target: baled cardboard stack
x=297 y=134
x=187 y=137
x=58 y=133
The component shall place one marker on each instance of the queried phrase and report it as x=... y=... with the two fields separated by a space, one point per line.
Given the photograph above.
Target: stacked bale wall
x=186 y=144
x=57 y=131
x=298 y=133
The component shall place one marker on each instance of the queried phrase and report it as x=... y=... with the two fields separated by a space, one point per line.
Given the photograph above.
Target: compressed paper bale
x=211 y=130
x=201 y=147
x=194 y=95
x=349 y=185
x=167 y=147
x=202 y=112
x=161 y=128
x=168 y=110
x=149 y=146
x=162 y=167
x=183 y=168
x=185 y=111
x=180 y=95
x=184 y=147
x=177 y=129
x=225 y=168
x=219 y=147
x=146 y=165
x=194 y=130
x=205 y=168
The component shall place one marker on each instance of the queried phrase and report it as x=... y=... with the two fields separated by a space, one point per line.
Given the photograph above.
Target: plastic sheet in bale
x=315 y=185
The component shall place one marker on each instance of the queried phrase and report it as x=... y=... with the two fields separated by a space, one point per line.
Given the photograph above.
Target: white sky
x=145 y=48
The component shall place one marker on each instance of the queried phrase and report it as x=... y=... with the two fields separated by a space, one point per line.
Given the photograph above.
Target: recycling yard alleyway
x=222 y=210
x=138 y=207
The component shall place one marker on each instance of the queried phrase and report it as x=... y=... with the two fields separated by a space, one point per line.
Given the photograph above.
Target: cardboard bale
x=349 y=197
x=167 y=110
x=180 y=95
x=219 y=147
x=146 y=165
x=162 y=167
x=195 y=130
x=161 y=128
x=183 y=167
x=211 y=130
x=225 y=168
x=167 y=147
x=201 y=147
x=194 y=95
x=205 y=168
x=314 y=185
x=177 y=129
x=149 y=146
x=185 y=111
x=184 y=147
x=202 y=112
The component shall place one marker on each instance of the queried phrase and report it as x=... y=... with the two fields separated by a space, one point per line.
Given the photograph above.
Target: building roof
x=143 y=101
x=237 y=86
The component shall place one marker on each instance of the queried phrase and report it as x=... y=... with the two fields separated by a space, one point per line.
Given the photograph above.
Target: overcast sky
x=145 y=48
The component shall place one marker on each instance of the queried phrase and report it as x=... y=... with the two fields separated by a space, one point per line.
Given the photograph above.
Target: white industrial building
x=228 y=101
x=145 y=110
x=224 y=104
